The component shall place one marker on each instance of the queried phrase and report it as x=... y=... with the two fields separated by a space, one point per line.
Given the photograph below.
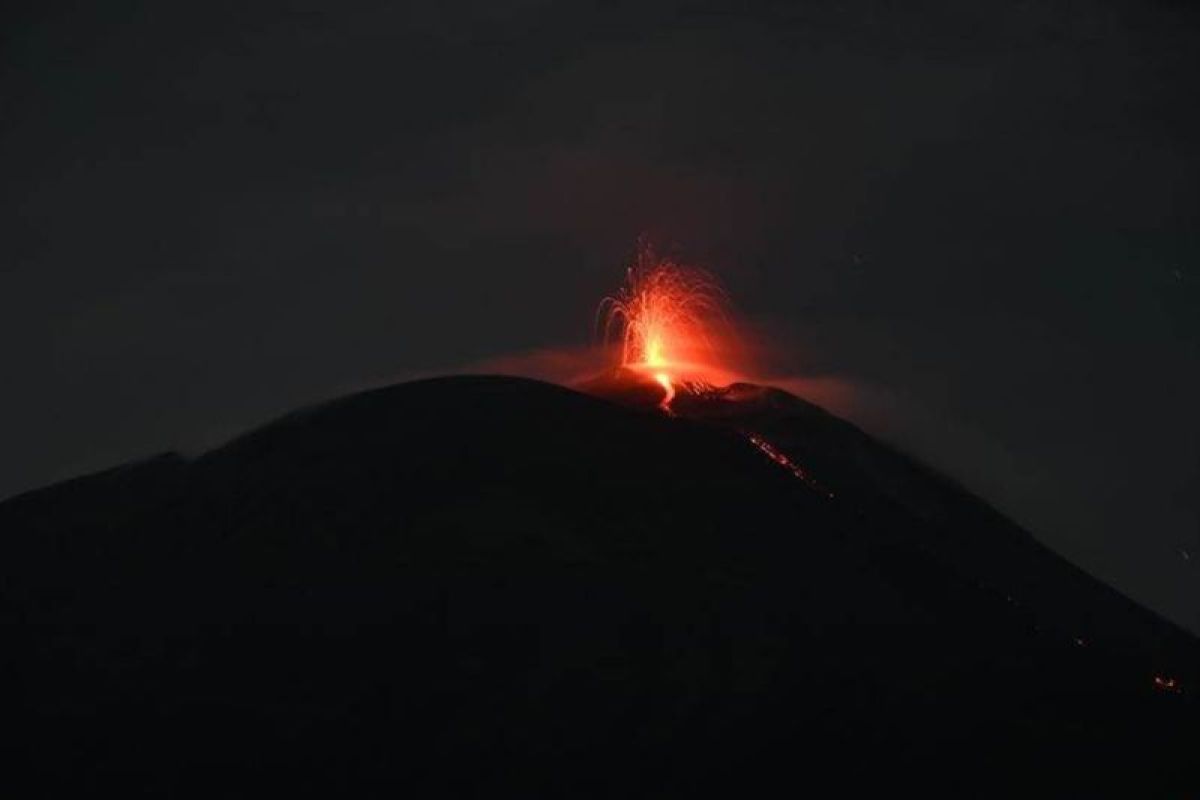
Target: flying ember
x=666 y=318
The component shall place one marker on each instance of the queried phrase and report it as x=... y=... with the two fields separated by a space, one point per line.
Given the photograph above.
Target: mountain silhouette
x=492 y=585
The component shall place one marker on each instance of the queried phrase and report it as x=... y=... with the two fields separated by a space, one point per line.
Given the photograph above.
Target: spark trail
x=666 y=317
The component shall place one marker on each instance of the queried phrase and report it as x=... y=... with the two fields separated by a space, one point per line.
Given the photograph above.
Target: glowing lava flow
x=665 y=315
x=668 y=317
x=776 y=455
x=668 y=387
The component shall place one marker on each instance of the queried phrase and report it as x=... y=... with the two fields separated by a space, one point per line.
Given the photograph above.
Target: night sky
x=974 y=230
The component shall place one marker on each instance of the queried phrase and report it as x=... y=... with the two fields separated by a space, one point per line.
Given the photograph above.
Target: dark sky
x=978 y=223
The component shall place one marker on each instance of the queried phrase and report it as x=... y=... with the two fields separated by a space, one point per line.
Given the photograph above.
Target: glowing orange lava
x=667 y=315
x=777 y=455
x=1165 y=684
x=674 y=331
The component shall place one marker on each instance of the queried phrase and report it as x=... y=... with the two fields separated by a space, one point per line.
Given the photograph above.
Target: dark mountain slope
x=477 y=585
x=929 y=510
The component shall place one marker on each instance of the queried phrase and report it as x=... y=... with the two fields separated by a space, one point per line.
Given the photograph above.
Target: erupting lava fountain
x=671 y=324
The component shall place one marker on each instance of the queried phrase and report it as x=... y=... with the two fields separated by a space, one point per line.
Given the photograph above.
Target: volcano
x=492 y=585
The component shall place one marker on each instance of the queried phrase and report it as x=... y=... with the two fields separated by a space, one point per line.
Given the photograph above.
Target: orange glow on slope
x=673 y=329
x=782 y=460
x=665 y=379
x=667 y=316
x=1165 y=684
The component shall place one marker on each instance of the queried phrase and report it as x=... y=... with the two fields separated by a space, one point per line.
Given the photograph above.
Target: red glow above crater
x=671 y=323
